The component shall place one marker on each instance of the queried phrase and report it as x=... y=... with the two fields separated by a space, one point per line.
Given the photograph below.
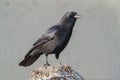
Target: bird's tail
x=30 y=58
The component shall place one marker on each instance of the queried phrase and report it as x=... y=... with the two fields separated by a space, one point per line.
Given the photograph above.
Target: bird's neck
x=67 y=24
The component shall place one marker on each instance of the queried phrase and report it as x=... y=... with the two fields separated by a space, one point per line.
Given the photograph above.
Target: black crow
x=53 y=41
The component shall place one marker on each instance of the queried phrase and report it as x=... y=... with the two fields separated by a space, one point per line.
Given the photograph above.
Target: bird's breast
x=63 y=40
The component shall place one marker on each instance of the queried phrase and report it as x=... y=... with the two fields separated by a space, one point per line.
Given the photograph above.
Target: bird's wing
x=45 y=38
x=49 y=35
x=39 y=40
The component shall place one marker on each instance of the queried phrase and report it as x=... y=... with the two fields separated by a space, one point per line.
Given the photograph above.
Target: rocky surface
x=63 y=72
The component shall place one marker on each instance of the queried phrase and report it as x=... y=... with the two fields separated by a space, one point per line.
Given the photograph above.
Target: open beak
x=77 y=16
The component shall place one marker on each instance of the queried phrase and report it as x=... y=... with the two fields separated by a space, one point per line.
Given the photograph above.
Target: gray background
x=94 y=47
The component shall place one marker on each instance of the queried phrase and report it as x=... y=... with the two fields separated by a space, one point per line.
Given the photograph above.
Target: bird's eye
x=72 y=15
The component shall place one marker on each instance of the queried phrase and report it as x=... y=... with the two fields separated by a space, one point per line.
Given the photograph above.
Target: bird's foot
x=47 y=64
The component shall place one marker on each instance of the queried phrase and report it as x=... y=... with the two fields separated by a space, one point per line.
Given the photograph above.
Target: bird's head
x=69 y=18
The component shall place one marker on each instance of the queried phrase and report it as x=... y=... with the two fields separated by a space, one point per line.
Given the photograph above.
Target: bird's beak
x=77 y=16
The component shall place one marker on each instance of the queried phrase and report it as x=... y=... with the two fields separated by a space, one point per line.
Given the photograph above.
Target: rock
x=63 y=72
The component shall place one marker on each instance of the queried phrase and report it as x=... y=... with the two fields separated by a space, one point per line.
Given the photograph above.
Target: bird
x=53 y=41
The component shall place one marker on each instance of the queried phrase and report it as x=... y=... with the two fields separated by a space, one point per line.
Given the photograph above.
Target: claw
x=47 y=64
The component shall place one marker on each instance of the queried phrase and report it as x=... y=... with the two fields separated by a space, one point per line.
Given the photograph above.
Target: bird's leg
x=57 y=57
x=46 y=60
x=59 y=61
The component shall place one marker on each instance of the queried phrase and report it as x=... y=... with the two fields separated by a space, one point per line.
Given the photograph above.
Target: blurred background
x=93 y=50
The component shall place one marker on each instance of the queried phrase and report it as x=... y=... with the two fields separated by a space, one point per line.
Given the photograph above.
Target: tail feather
x=31 y=57
x=29 y=60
